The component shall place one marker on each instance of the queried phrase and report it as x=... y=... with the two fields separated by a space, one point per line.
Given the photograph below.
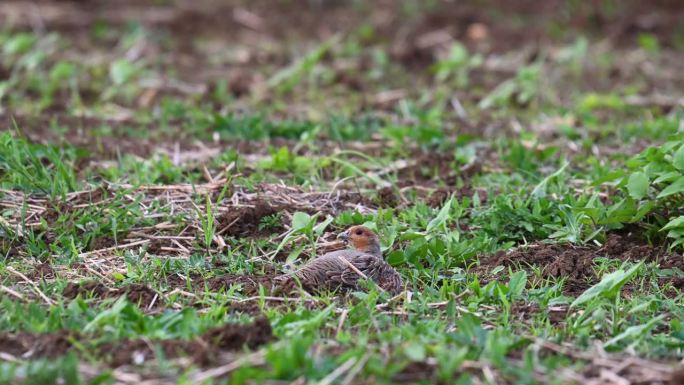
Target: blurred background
x=444 y=64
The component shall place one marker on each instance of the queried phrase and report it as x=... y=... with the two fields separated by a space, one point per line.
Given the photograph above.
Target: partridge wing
x=364 y=264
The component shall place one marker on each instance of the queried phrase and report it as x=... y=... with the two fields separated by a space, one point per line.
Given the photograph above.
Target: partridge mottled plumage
x=331 y=272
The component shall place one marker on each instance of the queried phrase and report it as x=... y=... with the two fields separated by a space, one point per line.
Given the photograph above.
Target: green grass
x=109 y=180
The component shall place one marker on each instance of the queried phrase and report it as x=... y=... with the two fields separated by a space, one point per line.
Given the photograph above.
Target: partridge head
x=363 y=239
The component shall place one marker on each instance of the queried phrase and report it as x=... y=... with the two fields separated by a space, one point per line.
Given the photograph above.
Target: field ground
x=161 y=161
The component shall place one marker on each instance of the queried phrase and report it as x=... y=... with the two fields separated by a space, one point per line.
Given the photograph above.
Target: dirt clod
x=387 y=197
x=677 y=376
x=249 y=283
x=31 y=345
x=576 y=264
x=73 y=289
x=139 y=294
x=244 y=221
x=235 y=336
x=203 y=350
x=42 y=271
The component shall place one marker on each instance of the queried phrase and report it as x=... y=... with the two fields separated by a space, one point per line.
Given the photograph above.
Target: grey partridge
x=334 y=270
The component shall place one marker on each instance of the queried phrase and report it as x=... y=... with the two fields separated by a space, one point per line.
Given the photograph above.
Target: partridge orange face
x=361 y=238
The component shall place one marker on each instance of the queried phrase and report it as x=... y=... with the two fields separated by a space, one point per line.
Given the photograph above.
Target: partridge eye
x=359 y=232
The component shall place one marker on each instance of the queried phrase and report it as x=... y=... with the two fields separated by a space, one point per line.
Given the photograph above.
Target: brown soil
x=410 y=38
x=678 y=376
x=103 y=242
x=440 y=196
x=387 y=197
x=250 y=283
x=250 y=287
x=415 y=372
x=42 y=271
x=82 y=133
x=36 y=345
x=244 y=221
x=95 y=289
x=139 y=294
x=251 y=308
x=9 y=247
x=441 y=169
x=203 y=350
x=576 y=264
x=428 y=166
x=526 y=311
x=142 y=295
x=139 y=351
x=407 y=35
x=676 y=283
x=235 y=336
x=281 y=20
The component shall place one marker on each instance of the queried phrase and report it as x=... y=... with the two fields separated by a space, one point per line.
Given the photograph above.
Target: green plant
x=36 y=168
x=521 y=90
x=207 y=222
x=457 y=65
x=652 y=189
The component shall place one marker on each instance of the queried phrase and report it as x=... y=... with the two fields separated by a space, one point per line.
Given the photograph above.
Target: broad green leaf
x=62 y=71
x=441 y=217
x=595 y=101
x=502 y=92
x=107 y=315
x=320 y=228
x=540 y=189
x=612 y=176
x=609 y=285
x=637 y=185
x=19 y=44
x=621 y=212
x=678 y=234
x=286 y=79
x=634 y=332
x=415 y=351
x=678 y=158
x=517 y=283
x=644 y=209
x=396 y=258
x=294 y=254
x=676 y=222
x=301 y=223
x=370 y=176
x=121 y=71
x=675 y=188
x=298 y=328
x=666 y=147
x=300 y=220
x=410 y=236
x=668 y=176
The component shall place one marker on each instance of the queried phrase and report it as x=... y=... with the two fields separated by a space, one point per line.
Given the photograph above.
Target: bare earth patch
x=577 y=263
x=139 y=294
x=204 y=349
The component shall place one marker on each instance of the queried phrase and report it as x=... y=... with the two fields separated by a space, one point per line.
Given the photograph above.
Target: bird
x=342 y=269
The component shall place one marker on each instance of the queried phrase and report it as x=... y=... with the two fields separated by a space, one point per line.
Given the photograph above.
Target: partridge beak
x=343 y=236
